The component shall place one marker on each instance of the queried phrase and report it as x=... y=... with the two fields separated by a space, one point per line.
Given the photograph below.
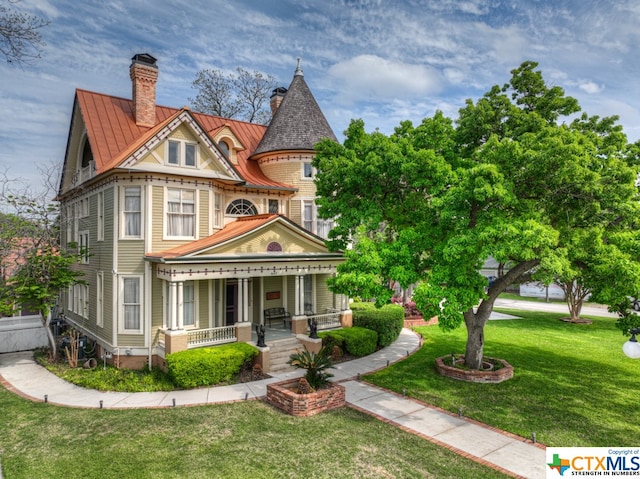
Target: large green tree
x=508 y=180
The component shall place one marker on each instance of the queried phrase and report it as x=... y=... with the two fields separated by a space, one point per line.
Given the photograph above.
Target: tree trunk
x=475 y=323
x=46 y=320
x=575 y=294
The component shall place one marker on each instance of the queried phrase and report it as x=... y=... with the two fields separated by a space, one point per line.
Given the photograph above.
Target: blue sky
x=382 y=61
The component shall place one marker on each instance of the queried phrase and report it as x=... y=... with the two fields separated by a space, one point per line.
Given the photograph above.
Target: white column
x=173 y=306
x=244 y=299
x=180 y=305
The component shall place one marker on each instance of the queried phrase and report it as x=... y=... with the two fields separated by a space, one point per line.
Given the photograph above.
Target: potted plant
x=316 y=365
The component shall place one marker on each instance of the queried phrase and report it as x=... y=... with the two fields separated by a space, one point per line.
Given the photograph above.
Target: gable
x=182 y=130
x=255 y=236
x=259 y=241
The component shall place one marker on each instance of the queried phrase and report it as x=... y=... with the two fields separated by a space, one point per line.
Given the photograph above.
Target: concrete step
x=280 y=352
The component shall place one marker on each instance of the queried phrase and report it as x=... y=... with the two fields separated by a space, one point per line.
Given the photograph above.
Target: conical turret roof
x=298 y=123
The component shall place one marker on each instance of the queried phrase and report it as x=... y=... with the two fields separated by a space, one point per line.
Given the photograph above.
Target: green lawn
x=241 y=440
x=572 y=384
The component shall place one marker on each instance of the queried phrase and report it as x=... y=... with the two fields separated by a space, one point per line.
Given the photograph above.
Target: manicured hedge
x=208 y=366
x=387 y=321
x=356 y=341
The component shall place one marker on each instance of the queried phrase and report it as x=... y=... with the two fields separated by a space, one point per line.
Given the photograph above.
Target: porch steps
x=281 y=350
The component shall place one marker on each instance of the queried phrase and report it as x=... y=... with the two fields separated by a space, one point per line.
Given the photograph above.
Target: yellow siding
x=204 y=216
x=130 y=257
x=295 y=211
x=257 y=242
x=203 y=304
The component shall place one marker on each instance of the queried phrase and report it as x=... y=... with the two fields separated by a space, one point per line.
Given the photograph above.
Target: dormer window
x=224 y=147
x=241 y=207
x=182 y=153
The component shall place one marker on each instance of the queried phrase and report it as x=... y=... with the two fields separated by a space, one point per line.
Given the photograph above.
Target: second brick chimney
x=144 y=76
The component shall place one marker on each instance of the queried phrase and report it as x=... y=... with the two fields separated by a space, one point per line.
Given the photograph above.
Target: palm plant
x=316 y=365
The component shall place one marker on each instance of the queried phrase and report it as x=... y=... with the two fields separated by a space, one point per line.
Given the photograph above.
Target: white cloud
x=590 y=87
x=370 y=77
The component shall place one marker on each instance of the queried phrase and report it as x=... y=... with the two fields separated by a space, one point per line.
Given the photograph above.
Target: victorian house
x=197 y=228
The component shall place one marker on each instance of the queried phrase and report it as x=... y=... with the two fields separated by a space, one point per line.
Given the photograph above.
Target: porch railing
x=211 y=336
x=328 y=320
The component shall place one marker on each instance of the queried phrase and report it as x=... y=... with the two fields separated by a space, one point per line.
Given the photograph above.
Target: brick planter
x=484 y=376
x=283 y=396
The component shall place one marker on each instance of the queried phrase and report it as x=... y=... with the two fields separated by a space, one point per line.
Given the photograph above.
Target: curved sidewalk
x=513 y=455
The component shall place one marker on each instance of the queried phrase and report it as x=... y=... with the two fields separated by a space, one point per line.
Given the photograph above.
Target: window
x=100 y=298
x=224 y=147
x=188 y=304
x=307 y=170
x=83 y=208
x=274 y=207
x=312 y=223
x=100 y=216
x=181 y=213
x=131 y=307
x=83 y=246
x=217 y=210
x=241 y=207
x=81 y=300
x=307 y=215
x=132 y=212
x=181 y=153
x=69 y=221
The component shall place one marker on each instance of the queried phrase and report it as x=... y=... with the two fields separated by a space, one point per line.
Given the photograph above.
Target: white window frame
x=217 y=210
x=240 y=207
x=182 y=147
x=100 y=299
x=100 y=216
x=194 y=301
x=69 y=220
x=308 y=293
x=83 y=208
x=181 y=213
x=314 y=224
x=307 y=172
x=83 y=246
x=269 y=202
x=123 y=306
x=125 y=212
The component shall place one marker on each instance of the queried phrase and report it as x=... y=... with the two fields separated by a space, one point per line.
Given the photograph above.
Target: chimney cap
x=278 y=91
x=144 y=58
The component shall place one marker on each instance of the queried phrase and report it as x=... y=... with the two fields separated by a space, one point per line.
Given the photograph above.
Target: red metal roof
x=232 y=230
x=113 y=134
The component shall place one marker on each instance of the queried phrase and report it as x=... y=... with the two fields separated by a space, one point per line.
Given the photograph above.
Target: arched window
x=274 y=247
x=87 y=155
x=224 y=147
x=241 y=207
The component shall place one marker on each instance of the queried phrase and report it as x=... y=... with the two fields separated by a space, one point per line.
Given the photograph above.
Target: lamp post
x=632 y=348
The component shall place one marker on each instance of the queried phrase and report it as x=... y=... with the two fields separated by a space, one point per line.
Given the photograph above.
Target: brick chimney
x=144 y=75
x=276 y=98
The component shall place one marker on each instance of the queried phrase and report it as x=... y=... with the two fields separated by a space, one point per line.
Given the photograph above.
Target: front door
x=231 y=304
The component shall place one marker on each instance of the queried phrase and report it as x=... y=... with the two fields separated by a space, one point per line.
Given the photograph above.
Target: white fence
x=22 y=333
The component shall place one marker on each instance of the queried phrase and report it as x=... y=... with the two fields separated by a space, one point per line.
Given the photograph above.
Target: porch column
x=173 y=306
x=243 y=294
x=180 y=305
x=299 y=298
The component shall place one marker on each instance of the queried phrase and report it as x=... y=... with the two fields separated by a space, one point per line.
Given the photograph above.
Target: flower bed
x=490 y=374
x=283 y=395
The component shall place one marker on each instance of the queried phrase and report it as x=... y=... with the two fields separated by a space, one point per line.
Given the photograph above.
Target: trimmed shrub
x=209 y=366
x=387 y=321
x=356 y=341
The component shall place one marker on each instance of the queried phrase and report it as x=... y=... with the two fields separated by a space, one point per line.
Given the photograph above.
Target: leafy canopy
x=508 y=180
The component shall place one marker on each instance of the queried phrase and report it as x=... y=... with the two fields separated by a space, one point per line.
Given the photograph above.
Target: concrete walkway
x=513 y=455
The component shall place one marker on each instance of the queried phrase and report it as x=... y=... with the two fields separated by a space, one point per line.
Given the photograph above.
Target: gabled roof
x=298 y=123
x=236 y=231
x=113 y=133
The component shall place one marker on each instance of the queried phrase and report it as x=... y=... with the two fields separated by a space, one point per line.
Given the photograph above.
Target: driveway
x=553 y=307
